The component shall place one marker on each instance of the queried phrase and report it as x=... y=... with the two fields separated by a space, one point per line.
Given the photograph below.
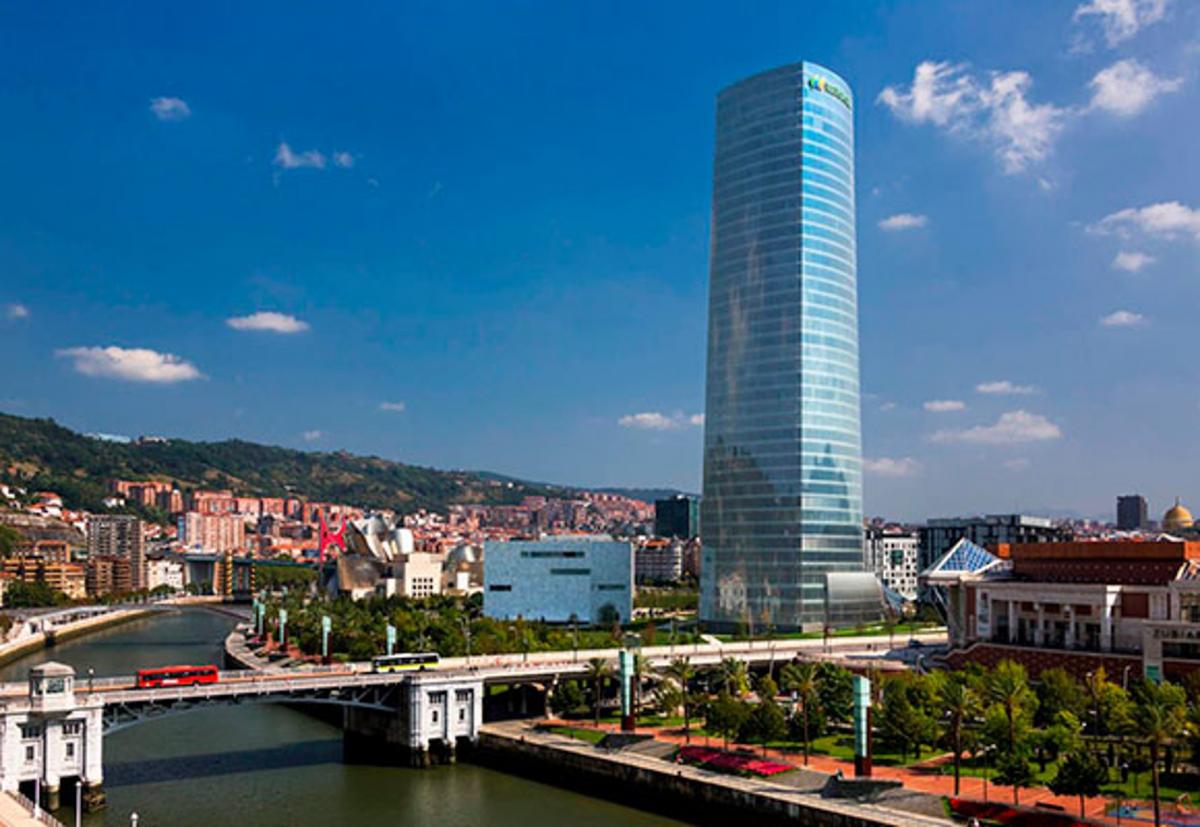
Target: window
x=462 y=714
x=70 y=750
x=572 y=572
x=31 y=731
x=72 y=727
x=611 y=587
x=28 y=753
x=464 y=696
x=435 y=716
x=499 y=587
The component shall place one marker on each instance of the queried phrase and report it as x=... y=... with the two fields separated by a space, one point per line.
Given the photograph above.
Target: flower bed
x=728 y=762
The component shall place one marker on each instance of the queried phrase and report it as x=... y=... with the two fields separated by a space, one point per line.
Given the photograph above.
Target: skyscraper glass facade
x=782 y=445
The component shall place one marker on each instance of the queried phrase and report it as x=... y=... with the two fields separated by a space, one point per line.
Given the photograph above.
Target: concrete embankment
x=675 y=790
x=31 y=643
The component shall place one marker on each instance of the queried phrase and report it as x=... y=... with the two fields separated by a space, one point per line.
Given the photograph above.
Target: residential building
x=68 y=578
x=1132 y=607
x=165 y=571
x=891 y=553
x=106 y=575
x=559 y=579
x=1131 y=512
x=658 y=560
x=212 y=532
x=782 y=504
x=939 y=535
x=118 y=535
x=678 y=516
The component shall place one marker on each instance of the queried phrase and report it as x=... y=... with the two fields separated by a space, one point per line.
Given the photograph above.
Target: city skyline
x=503 y=266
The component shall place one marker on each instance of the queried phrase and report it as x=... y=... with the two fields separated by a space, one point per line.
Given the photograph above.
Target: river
x=270 y=765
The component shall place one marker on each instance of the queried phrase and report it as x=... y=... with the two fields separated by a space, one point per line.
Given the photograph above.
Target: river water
x=270 y=765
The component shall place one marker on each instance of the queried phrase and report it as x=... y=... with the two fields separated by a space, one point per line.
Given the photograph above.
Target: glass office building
x=782 y=503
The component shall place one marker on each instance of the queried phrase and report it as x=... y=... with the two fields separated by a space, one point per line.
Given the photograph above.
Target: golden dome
x=1177 y=518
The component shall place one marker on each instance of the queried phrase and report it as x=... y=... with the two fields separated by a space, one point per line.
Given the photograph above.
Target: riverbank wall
x=675 y=790
x=16 y=649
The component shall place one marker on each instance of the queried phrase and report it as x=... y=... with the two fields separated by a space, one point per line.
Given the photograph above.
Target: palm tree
x=1008 y=687
x=801 y=678
x=734 y=677
x=1161 y=715
x=639 y=668
x=682 y=672
x=959 y=706
x=598 y=670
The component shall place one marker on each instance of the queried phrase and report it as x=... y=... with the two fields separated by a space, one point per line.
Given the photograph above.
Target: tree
x=1081 y=773
x=567 y=698
x=801 y=680
x=905 y=721
x=725 y=716
x=1008 y=689
x=32 y=595
x=680 y=670
x=1160 y=715
x=1013 y=769
x=765 y=723
x=835 y=691
x=960 y=706
x=734 y=677
x=1058 y=691
x=598 y=670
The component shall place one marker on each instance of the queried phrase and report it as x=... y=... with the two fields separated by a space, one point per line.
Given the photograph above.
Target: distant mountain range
x=41 y=455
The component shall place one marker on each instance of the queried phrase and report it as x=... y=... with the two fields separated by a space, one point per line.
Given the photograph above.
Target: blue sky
x=479 y=234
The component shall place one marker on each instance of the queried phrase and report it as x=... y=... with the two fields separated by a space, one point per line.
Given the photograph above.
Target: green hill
x=40 y=454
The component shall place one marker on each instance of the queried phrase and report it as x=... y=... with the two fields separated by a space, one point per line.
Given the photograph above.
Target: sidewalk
x=925 y=777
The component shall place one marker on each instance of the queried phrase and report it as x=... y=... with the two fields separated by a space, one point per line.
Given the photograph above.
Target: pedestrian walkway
x=926 y=777
x=18 y=812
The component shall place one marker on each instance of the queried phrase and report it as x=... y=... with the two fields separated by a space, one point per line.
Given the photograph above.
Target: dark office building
x=677 y=517
x=1131 y=512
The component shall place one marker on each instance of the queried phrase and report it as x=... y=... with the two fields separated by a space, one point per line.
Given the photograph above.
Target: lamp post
x=466 y=627
x=390 y=633
x=91 y=679
x=79 y=802
x=326 y=627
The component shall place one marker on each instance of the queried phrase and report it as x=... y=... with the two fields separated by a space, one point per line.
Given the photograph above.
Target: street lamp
x=91 y=678
x=466 y=627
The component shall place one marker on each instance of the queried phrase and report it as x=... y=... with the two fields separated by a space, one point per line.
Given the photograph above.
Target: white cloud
x=888 y=467
x=287 y=158
x=16 y=310
x=1167 y=219
x=394 y=407
x=1132 y=262
x=343 y=159
x=1123 y=318
x=1127 y=87
x=1122 y=19
x=887 y=406
x=1003 y=387
x=170 y=109
x=130 y=364
x=655 y=421
x=995 y=111
x=312 y=436
x=1011 y=428
x=1018 y=464
x=944 y=405
x=268 y=320
x=904 y=221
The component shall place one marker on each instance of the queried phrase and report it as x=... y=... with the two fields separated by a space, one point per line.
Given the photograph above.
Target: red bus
x=176 y=676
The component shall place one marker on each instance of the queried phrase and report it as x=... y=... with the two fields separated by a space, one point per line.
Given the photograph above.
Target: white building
x=891 y=553
x=418 y=574
x=558 y=579
x=165 y=572
x=658 y=561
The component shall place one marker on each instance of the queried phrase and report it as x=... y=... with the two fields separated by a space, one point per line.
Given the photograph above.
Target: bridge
x=52 y=727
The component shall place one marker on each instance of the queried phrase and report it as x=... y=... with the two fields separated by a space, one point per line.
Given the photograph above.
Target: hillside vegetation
x=40 y=454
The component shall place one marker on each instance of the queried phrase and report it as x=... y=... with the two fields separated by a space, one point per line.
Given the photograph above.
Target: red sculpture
x=331 y=538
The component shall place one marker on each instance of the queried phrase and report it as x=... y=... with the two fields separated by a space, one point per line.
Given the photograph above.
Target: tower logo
x=820 y=84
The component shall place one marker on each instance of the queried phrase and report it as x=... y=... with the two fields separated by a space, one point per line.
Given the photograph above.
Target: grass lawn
x=592 y=736
x=1136 y=787
x=647 y=720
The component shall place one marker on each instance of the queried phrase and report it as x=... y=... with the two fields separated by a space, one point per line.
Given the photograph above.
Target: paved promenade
x=926 y=776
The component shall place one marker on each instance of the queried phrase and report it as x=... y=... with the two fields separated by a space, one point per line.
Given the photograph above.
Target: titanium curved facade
x=782 y=438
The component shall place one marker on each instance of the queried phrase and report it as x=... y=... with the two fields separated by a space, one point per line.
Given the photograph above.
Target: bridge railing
x=35 y=812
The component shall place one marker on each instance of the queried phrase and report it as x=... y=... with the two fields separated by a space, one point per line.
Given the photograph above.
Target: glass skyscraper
x=782 y=500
